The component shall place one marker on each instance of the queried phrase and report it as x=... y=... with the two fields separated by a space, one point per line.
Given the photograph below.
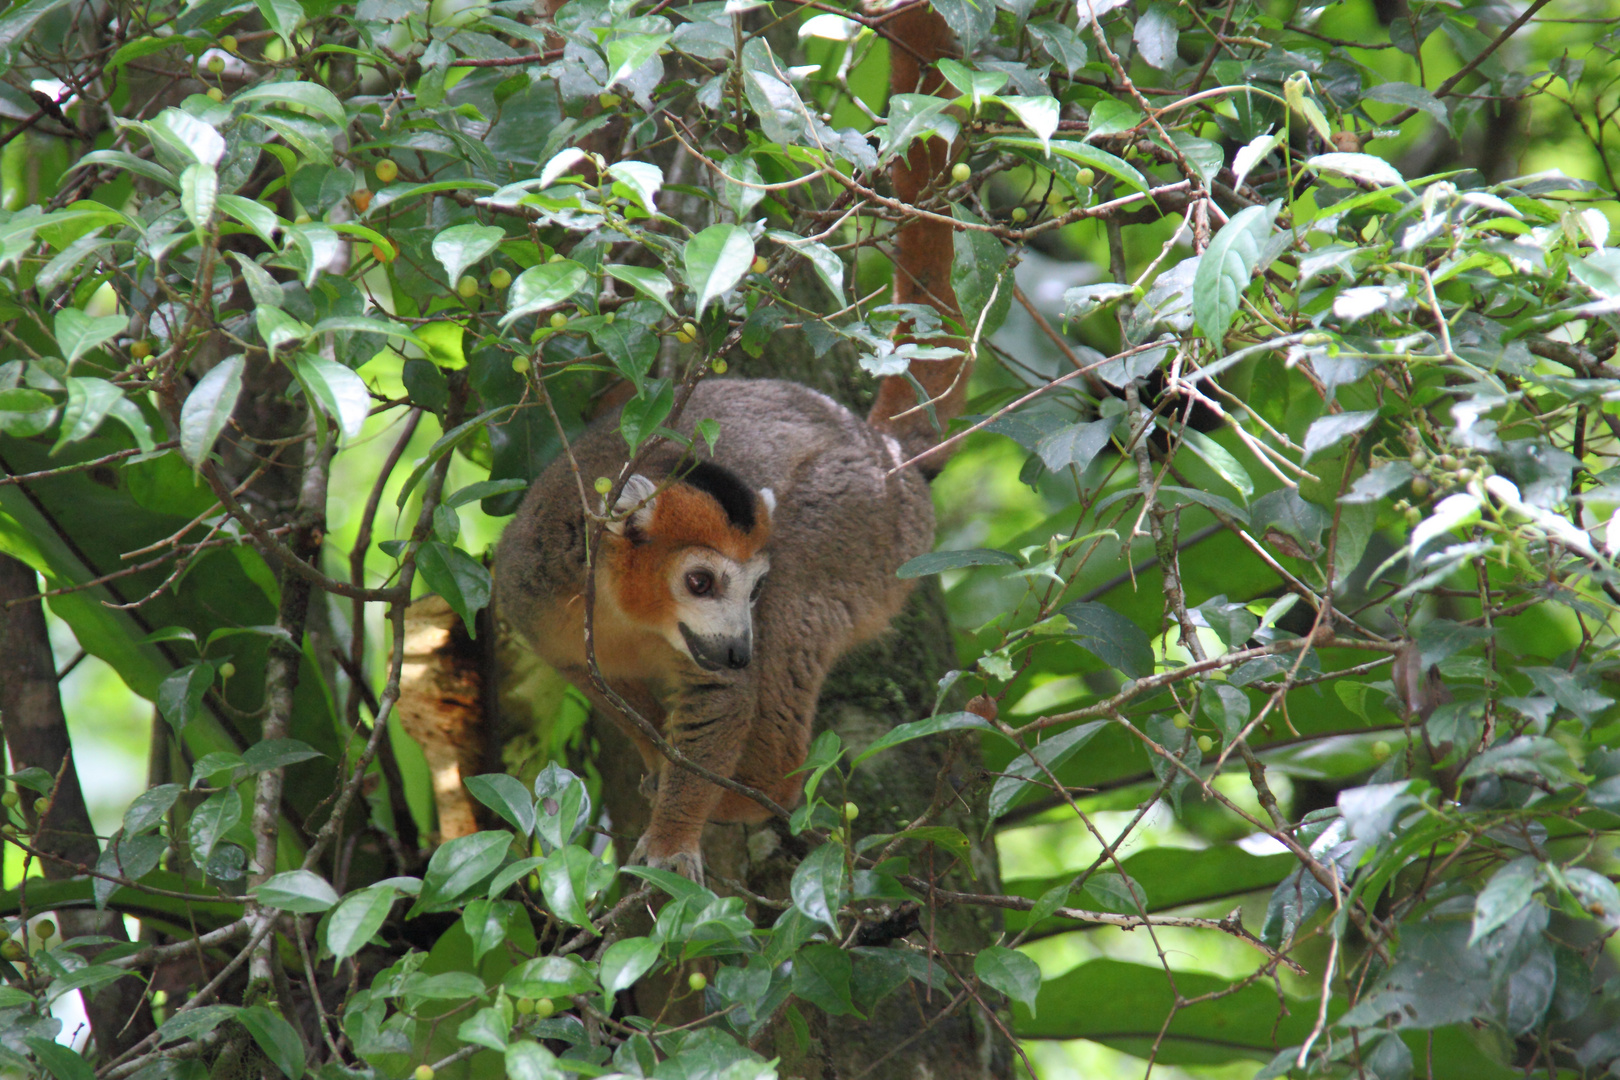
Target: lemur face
x=714 y=606
x=688 y=562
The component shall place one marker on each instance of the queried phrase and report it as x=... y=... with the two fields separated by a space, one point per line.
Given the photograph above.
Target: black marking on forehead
x=735 y=497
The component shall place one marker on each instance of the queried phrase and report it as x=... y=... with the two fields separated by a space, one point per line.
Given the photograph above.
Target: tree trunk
x=36 y=734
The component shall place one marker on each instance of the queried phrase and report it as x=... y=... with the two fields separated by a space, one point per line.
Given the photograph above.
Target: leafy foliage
x=1283 y=564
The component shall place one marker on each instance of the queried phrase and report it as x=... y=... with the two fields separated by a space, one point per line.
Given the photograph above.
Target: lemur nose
x=738 y=655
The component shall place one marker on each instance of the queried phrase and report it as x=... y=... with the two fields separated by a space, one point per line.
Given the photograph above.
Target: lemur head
x=687 y=560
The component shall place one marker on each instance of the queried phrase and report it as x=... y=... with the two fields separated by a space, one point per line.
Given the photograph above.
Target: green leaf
x=1405 y=94
x=149 y=809
x=1076 y=445
x=218 y=815
x=89 y=402
x=643 y=413
x=78 y=333
x=1221 y=460
x=483 y=489
x=277 y=753
x=456 y=576
x=822 y=259
x=1366 y=167
x=567 y=878
x=276 y=1038
x=1505 y=895
x=354 y=921
x=208 y=408
x=179 y=697
x=1225 y=268
x=199 y=192
x=818 y=885
x=545 y=286
x=365 y=324
x=259 y=218
x=459 y=246
x=195 y=1023
x=1225 y=706
x=821 y=976
x=1327 y=432
x=645 y=280
x=549 y=977
x=1011 y=972
x=1115 y=639
x=627 y=960
x=904 y=733
x=975 y=84
x=1080 y=153
x=59 y=1060
x=936 y=562
x=626 y=53
x=715 y=260
x=306 y=95
x=507 y=796
x=303 y=892
x=339 y=390
x=487 y=1027
x=443 y=445
x=640 y=181
x=213 y=764
x=457 y=868
x=527 y=1060
x=1039 y=114
x=981 y=276
x=282 y=16
x=1051 y=752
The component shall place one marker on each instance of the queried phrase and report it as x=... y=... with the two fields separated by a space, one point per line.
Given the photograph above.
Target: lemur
x=728 y=583
x=689 y=629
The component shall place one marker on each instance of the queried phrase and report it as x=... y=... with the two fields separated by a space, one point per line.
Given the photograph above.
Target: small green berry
x=718 y=366
x=609 y=317
x=12 y=950
x=42 y=807
x=423 y=1072
x=697 y=980
x=44 y=929
x=228 y=43
x=467 y=287
x=1019 y=214
x=500 y=278
x=1085 y=177
x=760 y=265
x=1205 y=743
x=216 y=65
x=1413 y=515
x=1380 y=750
x=1420 y=487
x=9 y=800
x=543 y=1008
x=387 y=170
x=960 y=172
x=851 y=811
x=216 y=95
x=558 y=320
x=525 y=1006
x=1182 y=721
x=227 y=669
x=608 y=101
x=603 y=485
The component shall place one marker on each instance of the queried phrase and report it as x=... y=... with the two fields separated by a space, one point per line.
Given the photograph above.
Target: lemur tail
x=922 y=270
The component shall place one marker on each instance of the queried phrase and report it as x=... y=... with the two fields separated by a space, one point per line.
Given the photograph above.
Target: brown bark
x=36 y=734
x=923 y=247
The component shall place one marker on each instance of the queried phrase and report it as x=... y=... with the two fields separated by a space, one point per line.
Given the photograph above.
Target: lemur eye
x=758 y=585
x=699 y=582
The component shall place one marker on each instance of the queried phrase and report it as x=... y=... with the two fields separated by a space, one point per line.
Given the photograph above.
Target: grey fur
x=841 y=527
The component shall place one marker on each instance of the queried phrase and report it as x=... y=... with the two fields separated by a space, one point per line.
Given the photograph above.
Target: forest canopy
x=1255 y=716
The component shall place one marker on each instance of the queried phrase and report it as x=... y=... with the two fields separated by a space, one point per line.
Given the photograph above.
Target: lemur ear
x=768 y=497
x=634 y=510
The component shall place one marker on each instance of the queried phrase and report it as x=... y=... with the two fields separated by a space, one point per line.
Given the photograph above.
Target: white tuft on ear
x=768 y=497
x=634 y=510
